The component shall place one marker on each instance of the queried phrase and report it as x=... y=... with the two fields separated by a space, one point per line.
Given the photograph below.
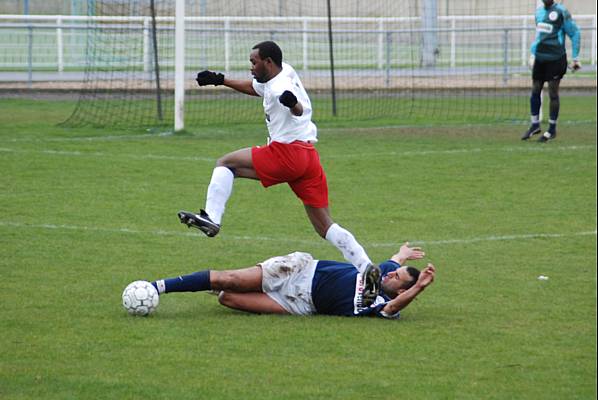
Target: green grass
x=84 y=211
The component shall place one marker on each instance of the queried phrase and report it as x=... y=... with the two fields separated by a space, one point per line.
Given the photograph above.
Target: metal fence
x=59 y=43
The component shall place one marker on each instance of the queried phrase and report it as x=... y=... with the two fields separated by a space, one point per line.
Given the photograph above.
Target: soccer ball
x=140 y=298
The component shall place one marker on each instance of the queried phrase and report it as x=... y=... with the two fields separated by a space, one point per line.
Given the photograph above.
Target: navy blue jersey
x=552 y=25
x=336 y=290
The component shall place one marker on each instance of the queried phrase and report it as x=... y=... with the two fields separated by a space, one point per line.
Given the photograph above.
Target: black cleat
x=531 y=131
x=546 y=137
x=371 y=284
x=200 y=221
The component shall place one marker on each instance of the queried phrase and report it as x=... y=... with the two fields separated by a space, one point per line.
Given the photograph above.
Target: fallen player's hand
x=575 y=65
x=410 y=253
x=288 y=99
x=205 y=78
x=426 y=276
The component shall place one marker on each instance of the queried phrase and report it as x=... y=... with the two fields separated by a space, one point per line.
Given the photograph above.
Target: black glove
x=205 y=78
x=288 y=99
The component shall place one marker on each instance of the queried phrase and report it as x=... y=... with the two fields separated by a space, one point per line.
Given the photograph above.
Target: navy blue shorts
x=547 y=71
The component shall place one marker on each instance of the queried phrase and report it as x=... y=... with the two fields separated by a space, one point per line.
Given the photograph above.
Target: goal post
x=179 y=67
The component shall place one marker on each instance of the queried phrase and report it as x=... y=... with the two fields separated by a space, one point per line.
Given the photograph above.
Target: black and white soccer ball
x=140 y=298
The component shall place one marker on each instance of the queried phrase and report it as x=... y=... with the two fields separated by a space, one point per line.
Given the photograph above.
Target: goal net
x=433 y=60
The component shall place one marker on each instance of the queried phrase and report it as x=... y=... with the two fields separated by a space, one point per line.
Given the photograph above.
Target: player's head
x=266 y=60
x=399 y=280
x=548 y=3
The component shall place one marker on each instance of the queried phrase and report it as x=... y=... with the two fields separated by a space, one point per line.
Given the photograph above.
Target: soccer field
x=86 y=211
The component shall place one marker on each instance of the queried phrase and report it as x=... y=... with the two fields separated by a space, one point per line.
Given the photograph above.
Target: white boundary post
x=524 y=49
x=593 y=57
x=305 y=44
x=179 y=67
x=380 y=43
x=147 y=60
x=59 y=44
x=226 y=44
x=453 y=42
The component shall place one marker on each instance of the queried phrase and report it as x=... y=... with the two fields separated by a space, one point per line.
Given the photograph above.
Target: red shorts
x=297 y=164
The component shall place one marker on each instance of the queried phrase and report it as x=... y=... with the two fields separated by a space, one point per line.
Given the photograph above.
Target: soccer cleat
x=532 y=130
x=371 y=284
x=200 y=221
x=547 y=136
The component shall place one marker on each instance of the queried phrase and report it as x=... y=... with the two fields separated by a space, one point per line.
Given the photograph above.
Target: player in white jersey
x=289 y=157
x=284 y=126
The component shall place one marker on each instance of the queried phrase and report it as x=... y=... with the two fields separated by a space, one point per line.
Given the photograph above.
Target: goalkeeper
x=549 y=62
x=289 y=156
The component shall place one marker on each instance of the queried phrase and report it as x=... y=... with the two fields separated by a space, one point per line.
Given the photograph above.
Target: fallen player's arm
x=426 y=277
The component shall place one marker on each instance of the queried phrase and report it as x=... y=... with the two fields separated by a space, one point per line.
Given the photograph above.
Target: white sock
x=343 y=240
x=219 y=190
x=161 y=286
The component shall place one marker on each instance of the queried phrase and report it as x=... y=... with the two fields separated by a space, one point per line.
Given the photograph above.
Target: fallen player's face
x=395 y=280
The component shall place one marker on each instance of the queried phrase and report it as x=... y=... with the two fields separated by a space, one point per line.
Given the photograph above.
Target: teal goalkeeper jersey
x=552 y=25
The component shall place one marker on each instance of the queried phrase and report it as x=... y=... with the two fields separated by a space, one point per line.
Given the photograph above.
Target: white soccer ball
x=140 y=298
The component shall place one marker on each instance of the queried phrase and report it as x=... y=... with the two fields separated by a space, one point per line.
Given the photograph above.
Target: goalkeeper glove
x=205 y=78
x=575 y=65
x=288 y=99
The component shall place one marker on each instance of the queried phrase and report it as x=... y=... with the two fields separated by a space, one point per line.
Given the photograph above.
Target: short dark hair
x=414 y=273
x=269 y=49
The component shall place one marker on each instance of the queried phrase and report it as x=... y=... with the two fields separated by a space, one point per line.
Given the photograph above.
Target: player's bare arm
x=288 y=99
x=297 y=110
x=205 y=78
x=426 y=277
x=243 y=86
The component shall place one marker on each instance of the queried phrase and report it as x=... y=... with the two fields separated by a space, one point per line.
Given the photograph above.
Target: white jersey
x=283 y=126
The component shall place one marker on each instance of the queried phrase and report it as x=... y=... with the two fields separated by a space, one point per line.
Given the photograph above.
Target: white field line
x=507 y=126
x=183 y=233
x=108 y=138
x=108 y=155
x=498 y=238
x=314 y=242
x=510 y=149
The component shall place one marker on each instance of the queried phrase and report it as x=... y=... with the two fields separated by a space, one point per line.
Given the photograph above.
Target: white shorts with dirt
x=288 y=279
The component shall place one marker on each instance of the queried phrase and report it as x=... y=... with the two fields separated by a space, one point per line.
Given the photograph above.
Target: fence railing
x=58 y=42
